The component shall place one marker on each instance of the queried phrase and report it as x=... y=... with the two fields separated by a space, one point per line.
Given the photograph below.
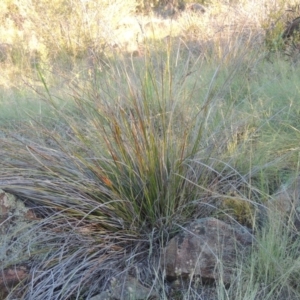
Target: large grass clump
x=117 y=161
x=132 y=155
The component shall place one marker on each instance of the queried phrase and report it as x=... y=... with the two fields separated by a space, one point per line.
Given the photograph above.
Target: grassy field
x=116 y=153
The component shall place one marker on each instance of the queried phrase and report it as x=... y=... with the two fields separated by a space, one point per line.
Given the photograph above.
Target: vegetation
x=115 y=147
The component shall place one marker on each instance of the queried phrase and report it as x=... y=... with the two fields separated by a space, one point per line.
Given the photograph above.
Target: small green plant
x=240 y=210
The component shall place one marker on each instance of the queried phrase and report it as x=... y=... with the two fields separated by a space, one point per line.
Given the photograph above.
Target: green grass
x=115 y=162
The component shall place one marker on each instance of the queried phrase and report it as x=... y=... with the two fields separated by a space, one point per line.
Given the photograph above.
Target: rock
x=10 y=277
x=201 y=248
x=128 y=289
x=287 y=197
x=286 y=201
x=11 y=206
x=15 y=217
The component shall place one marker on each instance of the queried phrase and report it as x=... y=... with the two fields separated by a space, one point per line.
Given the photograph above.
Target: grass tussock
x=117 y=159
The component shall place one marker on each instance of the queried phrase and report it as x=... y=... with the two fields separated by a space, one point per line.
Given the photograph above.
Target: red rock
x=206 y=248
